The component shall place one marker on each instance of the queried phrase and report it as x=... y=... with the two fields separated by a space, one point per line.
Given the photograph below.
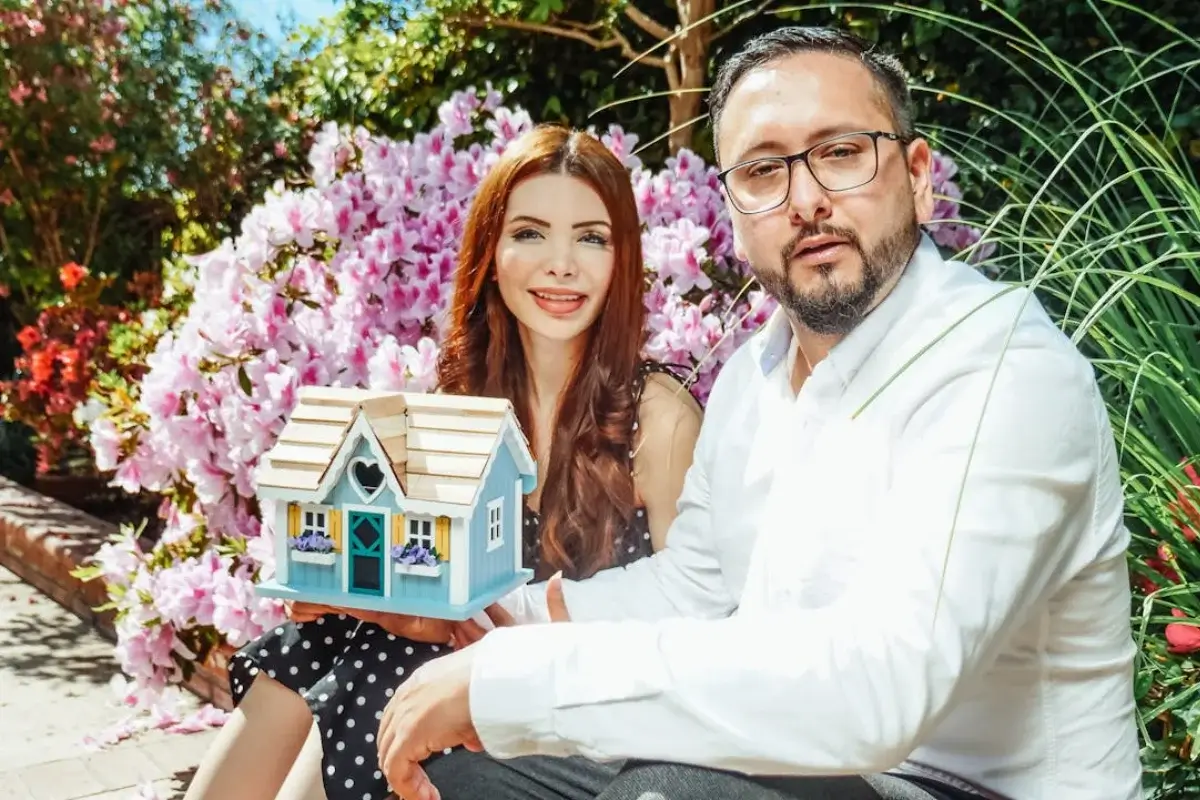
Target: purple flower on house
x=312 y=543
x=415 y=554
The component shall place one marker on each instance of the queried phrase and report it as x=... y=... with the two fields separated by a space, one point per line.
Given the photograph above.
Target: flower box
x=304 y=557
x=424 y=570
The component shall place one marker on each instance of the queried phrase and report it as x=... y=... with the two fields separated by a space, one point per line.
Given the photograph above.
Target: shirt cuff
x=511 y=694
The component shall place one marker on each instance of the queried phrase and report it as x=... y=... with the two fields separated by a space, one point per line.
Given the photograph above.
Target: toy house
x=397 y=501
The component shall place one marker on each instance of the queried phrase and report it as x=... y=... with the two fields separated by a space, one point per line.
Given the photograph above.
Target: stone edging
x=42 y=540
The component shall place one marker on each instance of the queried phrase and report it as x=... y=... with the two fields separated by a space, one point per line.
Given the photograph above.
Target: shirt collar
x=845 y=359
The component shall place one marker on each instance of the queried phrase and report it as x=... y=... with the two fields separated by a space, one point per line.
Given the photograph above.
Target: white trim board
x=460 y=562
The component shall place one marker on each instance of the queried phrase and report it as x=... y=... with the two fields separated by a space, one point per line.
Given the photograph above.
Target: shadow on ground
x=43 y=641
x=180 y=782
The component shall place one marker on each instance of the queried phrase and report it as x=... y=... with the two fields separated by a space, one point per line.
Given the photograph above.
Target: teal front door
x=366 y=552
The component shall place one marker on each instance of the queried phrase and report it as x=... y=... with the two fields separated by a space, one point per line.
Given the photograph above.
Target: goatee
x=834 y=309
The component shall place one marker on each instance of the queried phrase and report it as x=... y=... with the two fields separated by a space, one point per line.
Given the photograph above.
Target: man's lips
x=819 y=249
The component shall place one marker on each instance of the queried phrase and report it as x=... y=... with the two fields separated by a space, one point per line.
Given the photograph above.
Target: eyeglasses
x=839 y=164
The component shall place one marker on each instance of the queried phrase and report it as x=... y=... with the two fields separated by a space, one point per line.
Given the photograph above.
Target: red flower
x=42 y=366
x=1182 y=638
x=71 y=275
x=29 y=338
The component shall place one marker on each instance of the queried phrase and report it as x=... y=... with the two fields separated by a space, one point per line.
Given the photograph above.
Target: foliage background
x=1075 y=125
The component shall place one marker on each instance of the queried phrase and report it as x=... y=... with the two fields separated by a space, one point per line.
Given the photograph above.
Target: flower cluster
x=312 y=543
x=947 y=229
x=415 y=554
x=345 y=282
x=62 y=355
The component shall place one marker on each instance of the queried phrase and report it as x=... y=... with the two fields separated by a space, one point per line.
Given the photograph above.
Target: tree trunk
x=688 y=71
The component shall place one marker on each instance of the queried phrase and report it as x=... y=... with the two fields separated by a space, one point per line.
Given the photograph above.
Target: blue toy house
x=396 y=501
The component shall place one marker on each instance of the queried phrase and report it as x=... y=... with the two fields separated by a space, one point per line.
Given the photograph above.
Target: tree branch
x=94 y=228
x=615 y=40
x=647 y=23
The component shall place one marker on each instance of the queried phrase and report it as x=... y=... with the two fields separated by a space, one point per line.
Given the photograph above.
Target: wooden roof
x=438 y=445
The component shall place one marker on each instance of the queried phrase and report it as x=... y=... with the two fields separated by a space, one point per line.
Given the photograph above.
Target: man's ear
x=738 y=249
x=920 y=175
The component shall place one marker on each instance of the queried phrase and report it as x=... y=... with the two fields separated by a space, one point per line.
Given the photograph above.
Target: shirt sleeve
x=684 y=578
x=984 y=516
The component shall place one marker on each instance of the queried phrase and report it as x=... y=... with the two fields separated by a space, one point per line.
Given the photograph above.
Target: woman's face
x=554 y=260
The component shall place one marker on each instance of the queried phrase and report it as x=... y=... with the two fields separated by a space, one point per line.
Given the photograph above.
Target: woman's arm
x=668 y=424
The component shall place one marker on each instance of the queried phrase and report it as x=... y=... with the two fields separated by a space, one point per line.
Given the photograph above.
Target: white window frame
x=414 y=535
x=320 y=520
x=495 y=524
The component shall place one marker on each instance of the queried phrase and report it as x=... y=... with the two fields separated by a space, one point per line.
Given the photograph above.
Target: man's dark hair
x=889 y=74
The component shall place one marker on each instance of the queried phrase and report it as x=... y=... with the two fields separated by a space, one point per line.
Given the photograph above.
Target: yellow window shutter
x=442 y=538
x=293 y=519
x=335 y=528
x=398 y=535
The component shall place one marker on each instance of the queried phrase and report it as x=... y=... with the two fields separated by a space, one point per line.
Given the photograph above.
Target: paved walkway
x=54 y=691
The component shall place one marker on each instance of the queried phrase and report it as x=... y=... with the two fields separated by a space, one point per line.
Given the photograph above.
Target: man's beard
x=835 y=310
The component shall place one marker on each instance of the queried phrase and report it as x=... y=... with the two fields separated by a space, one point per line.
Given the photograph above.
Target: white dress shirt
x=875 y=573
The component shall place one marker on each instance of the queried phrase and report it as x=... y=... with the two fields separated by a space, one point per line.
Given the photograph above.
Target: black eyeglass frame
x=790 y=161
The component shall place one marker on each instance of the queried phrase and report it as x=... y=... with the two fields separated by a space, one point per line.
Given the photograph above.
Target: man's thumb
x=556 y=601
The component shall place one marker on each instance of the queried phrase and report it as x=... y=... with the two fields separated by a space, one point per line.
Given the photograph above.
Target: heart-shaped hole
x=368 y=476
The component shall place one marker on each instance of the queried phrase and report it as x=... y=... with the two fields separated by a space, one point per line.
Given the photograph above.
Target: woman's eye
x=526 y=234
x=595 y=238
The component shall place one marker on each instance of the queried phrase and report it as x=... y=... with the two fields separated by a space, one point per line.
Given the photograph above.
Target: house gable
x=344 y=489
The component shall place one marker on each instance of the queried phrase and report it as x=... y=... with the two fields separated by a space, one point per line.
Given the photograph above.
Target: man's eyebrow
x=772 y=147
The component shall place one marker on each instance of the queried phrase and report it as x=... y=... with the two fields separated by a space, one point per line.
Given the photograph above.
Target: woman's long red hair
x=587 y=494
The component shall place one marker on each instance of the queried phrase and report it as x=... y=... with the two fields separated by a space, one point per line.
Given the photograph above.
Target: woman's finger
x=468 y=632
x=499 y=617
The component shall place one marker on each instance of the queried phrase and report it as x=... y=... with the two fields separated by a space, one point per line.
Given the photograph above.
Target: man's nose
x=808 y=200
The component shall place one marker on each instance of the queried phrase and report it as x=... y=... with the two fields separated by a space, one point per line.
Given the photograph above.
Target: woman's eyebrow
x=535 y=221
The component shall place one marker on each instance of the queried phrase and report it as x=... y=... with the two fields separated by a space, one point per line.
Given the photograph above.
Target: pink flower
x=19 y=92
x=105 y=440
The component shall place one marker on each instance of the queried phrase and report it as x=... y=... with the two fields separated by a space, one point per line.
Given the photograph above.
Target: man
x=898 y=567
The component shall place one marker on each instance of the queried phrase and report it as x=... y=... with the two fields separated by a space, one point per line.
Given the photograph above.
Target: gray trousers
x=463 y=775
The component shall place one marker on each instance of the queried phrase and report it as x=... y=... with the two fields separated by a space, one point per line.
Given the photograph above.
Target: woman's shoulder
x=665 y=404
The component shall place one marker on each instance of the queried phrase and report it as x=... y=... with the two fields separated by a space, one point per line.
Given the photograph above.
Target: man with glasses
x=898 y=570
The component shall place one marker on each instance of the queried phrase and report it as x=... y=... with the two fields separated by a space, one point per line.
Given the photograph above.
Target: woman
x=548 y=312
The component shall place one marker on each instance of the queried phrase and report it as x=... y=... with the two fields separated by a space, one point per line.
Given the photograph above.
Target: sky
x=265 y=14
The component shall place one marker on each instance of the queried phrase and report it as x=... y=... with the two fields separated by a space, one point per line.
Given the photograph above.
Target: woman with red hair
x=548 y=312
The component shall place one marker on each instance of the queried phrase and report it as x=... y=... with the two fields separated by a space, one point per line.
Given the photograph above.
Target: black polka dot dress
x=347 y=671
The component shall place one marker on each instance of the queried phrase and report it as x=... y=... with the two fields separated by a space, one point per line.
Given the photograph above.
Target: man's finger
x=411 y=783
x=556 y=600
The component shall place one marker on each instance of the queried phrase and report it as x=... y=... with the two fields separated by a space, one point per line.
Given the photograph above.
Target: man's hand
x=429 y=713
x=469 y=632
x=418 y=629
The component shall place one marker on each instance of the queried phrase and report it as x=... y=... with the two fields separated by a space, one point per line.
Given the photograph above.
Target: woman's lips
x=558 y=303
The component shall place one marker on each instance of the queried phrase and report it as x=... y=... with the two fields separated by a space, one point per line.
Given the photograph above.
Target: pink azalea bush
x=346 y=281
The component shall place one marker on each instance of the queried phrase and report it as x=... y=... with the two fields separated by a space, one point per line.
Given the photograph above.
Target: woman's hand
x=468 y=632
x=309 y=612
x=418 y=629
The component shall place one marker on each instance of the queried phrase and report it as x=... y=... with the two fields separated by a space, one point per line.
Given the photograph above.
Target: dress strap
x=648 y=367
x=645 y=369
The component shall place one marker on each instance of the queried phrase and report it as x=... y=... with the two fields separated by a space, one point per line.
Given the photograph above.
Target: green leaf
x=244 y=380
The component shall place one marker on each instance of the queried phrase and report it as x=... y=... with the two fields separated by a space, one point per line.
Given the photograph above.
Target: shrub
x=345 y=282
x=63 y=354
